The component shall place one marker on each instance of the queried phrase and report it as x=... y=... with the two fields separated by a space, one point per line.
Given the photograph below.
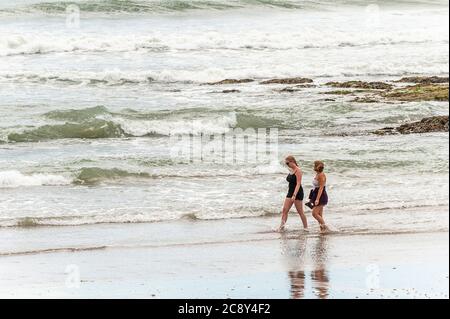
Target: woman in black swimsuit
x=295 y=194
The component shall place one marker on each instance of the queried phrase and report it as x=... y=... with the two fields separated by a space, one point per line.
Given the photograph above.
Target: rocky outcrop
x=288 y=81
x=231 y=81
x=426 y=125
x=425 y=88
x=419 y=92
x=361 y=85
x=424 y=79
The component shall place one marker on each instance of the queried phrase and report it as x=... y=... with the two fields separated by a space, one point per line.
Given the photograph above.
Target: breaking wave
x=14 y=179
x=99 y=123
x=174 y=6
x=21 y=44
x=151 y=6
x=88 y=130
x=94 y=175
x=128 y=216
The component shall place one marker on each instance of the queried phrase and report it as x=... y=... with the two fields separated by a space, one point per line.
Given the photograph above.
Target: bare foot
x=324 y=229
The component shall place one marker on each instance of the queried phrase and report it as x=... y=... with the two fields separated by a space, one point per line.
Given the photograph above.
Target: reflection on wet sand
x=297 y=284
x=319 y=276
x=300 y=257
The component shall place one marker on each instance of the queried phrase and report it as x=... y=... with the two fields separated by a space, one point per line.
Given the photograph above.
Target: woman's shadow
x=306 y=259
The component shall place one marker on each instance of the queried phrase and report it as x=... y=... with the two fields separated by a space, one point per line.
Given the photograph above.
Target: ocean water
x=89 y=108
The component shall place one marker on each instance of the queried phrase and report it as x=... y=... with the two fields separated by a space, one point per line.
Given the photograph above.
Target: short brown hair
x=319 y=166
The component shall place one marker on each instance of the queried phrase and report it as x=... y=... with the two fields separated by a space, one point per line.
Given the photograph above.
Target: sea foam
x=13 y=179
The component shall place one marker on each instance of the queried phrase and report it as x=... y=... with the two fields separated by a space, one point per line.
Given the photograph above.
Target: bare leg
x=324 y=227
x=284 y=215
x=301 y=212
x=321 y=211
x=317 y=214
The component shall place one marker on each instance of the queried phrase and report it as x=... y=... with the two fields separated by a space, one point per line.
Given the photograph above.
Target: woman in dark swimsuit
x=295 y=194
x=319 y=197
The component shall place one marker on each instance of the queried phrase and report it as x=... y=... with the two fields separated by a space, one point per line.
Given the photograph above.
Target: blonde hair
x=291 y=158
x=319 y=166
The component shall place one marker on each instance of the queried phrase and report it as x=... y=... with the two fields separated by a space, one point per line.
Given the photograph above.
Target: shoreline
x=222 y=259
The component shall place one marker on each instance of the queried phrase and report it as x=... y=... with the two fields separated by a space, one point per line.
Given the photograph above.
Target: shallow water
x=87 y=114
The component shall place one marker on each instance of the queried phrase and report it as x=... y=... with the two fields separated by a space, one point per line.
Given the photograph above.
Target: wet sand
x=240 y=258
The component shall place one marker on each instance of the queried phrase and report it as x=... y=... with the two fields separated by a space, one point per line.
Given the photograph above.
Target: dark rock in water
x=424 y=79
x=426 y=125
x=339 y=92
x=231 y=91
x=288 y=81
x=289 y=90
x=364 y=99
x=231 y=81
x=329 y=100
x=386 y=131
x=296 y=88
x=419 y=92
x=361 y=85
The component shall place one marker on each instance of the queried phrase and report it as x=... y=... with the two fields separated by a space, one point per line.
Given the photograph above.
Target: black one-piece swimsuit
x=292 y=180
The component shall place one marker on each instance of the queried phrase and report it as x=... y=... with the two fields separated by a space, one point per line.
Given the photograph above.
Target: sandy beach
x=239 y=258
